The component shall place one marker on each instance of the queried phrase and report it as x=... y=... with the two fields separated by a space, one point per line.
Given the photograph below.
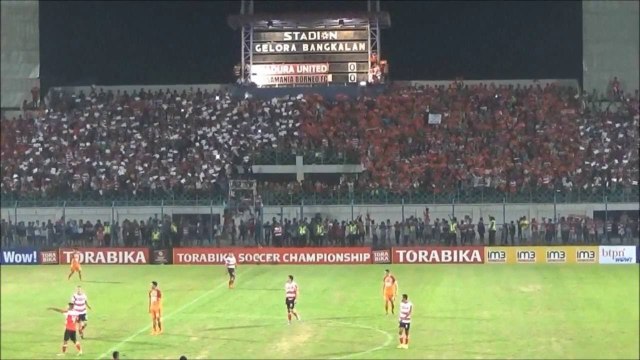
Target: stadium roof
x=311 y=20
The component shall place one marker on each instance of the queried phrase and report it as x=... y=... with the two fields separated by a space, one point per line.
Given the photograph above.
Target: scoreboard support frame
x=247 y=53
x=372 y=20
x=374 y=40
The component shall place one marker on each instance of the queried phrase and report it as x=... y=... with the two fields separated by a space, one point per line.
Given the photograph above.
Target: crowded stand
x=499 y=137
x=111 y=144
x=422 y=138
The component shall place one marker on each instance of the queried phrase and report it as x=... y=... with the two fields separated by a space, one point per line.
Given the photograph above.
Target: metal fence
x=478 y=195
x=375 y=237
x=278 y=157
x=201 y=223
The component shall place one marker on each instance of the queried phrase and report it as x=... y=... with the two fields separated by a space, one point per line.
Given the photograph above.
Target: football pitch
x=460 y=311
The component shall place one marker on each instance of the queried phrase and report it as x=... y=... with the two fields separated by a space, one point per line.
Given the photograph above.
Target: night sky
x=188 y=42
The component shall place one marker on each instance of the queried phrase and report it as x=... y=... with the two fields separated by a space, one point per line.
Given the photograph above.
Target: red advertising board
x=381 y=256
x=49 y=257
x=106 y=255
x=438 y=255
x=197 y=255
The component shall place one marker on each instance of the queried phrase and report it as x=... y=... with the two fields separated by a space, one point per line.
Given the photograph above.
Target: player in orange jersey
x=75 y=264
x=155 y=308
x=389 y=291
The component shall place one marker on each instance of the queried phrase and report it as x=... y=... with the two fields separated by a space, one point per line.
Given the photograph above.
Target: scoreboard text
x=305 y=57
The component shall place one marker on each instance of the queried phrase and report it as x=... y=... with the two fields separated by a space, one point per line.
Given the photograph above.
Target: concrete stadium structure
x=20 y=30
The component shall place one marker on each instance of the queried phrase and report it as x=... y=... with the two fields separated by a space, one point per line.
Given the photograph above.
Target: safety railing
x=280 y=157
x=371 y=197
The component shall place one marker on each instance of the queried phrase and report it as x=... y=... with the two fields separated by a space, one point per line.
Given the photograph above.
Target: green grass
x=537 y=311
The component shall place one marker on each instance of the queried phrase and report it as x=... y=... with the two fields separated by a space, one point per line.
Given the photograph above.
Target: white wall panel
x=611 y=43
x=20 y=51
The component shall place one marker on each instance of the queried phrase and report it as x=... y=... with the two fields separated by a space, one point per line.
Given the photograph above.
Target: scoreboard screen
x=307 y=57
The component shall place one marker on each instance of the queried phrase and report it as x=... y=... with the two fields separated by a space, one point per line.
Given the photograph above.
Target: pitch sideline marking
x=179 y=310
x=385 y=333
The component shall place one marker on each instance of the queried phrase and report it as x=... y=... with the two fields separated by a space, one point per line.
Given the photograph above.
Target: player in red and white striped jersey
x=230 y=262
x=406 y=310
x=71 y=317
x=80 y=305
x=291 y=296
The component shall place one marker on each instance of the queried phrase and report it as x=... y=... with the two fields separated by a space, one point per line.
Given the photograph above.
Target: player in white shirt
x=291 y=296
x=230 y=263
x=406 y=310
x=80 y=305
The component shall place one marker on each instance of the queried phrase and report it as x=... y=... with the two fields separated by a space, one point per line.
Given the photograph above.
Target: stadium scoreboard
x=310 y=56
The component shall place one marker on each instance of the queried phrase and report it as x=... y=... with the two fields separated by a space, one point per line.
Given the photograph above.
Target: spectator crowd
x=317 y=231
x=493 y=136
x=409 y=138
x=140 y=143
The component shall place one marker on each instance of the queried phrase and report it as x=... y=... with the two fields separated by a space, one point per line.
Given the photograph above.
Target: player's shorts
x=82 y=317
x=231 y=271
x=404 y=325
x=389 y=295
x=70 y=335
x=155 y=313
x=75 y=267
x=291 y=303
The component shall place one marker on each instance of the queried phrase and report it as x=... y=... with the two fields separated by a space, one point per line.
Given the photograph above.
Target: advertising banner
x=438 y=255
x=556 y=255
x=196 y=255
x=529 y=255
x=499 y=255
x=160 y=257
x=540 y=255
x=638 y=254
x=21 y=256
x=49 y=257
x=617 y=255
x=584 y=254
x=381 y=256
x=106 y=255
